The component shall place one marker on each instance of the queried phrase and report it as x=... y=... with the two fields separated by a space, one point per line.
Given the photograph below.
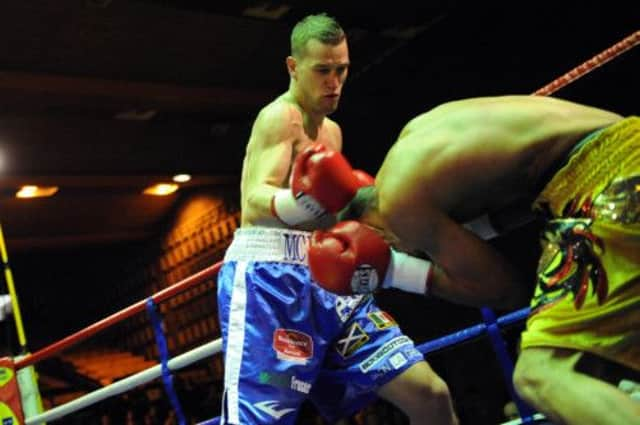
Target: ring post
x=25 y=378
x=10 y=403
x=22 y=339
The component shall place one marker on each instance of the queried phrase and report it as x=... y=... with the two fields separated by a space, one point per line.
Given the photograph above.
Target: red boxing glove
x=348 y=258
x=363 y=178
x=352 y=257
x=325 y=176
x=322 y=180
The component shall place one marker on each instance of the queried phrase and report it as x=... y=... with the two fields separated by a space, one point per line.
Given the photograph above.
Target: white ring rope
x=127 y=383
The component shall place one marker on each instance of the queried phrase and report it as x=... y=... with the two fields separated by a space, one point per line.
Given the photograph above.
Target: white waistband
x=269 y=244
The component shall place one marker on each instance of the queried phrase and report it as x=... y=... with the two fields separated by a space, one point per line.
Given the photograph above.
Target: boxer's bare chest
x=306 y=138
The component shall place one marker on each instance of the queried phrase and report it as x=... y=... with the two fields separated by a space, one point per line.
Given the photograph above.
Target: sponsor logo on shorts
x=295 y=247
x=356 y=338
x=270 y=407
x=299 y=385
x=283 y=380
x=381 y=352
x=292 y=345
x=381 y=319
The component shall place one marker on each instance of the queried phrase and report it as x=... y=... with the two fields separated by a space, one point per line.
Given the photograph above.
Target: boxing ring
x=490 y=327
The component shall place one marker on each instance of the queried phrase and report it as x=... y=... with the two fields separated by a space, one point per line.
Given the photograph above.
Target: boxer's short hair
x=319 y=27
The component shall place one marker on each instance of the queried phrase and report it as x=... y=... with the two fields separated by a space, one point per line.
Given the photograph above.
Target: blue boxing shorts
x=285 y=339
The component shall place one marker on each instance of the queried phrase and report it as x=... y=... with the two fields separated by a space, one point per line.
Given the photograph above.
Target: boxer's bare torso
x=280 y=132
x=468 y=158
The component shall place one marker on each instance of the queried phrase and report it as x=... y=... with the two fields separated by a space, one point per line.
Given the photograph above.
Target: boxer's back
x=467 y=157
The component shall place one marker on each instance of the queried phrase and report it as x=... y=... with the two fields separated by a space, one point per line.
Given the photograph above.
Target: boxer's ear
x=291 y=66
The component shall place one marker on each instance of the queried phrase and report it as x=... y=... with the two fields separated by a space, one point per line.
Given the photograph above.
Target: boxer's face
x=320 y=75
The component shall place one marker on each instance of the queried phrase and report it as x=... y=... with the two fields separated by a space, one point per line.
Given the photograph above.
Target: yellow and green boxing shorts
x=587 y=294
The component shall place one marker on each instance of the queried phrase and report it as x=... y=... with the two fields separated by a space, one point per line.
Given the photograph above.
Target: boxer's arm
x=503 y=221
x=468 y=270
x=411 y=194
x=267 y=162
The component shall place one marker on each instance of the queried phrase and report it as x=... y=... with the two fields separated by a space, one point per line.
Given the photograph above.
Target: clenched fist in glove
x=352 y=257
x=322 y=180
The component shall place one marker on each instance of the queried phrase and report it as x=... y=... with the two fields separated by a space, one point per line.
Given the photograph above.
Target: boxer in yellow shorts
x=580 y=168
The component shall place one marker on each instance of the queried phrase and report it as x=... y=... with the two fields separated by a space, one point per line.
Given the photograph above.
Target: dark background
x=102 y=97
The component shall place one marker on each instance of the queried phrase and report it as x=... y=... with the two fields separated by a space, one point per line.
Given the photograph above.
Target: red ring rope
x=588 y=66
x=90 y=330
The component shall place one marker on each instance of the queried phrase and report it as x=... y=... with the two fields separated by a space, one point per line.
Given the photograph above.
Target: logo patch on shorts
x=295 y=247
x=397 y=361
x=273 y=409
x=292 y=345
x=282 y=380
x=381 y=319
x=381 y=352
x=345 y=305
x=356 y=338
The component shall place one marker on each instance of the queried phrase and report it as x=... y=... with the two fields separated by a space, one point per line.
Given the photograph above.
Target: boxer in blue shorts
x=287 y=339
x=284 y=338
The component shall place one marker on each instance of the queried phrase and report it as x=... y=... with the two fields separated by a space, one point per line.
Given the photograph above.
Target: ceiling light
x=32 y=191
x=181 y=178
x=161 y=189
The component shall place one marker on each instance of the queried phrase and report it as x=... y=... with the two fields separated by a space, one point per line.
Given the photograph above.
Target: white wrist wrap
x=407 y=273
x=292 y=210
x=288 y=210
x=482 y=227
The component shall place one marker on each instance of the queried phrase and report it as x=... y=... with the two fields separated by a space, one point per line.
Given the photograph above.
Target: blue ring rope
x=471 y=332
x=492 y=327
x=506 y=364
x=167 y=377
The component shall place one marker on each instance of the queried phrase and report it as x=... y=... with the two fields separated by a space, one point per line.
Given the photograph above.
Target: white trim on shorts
x=235 y=342
x=269 y=244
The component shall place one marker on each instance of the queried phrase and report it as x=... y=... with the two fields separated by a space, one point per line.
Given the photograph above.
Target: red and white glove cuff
x=294 y=211
x=408 y=273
